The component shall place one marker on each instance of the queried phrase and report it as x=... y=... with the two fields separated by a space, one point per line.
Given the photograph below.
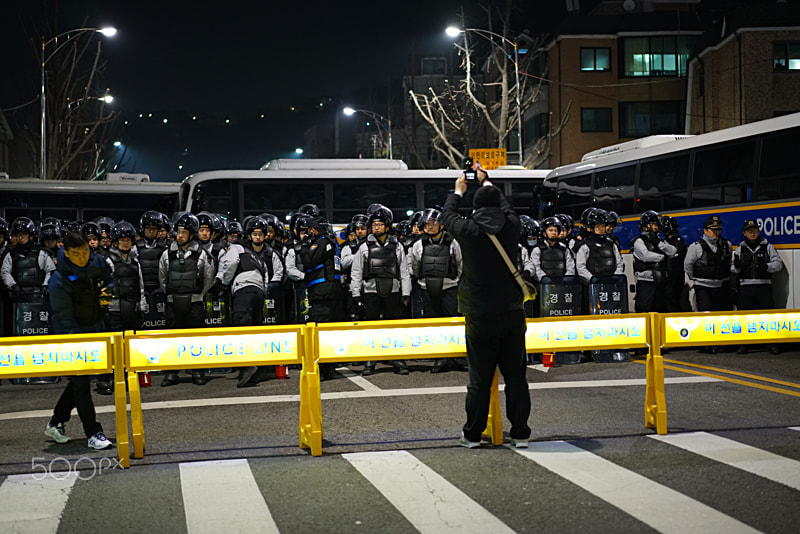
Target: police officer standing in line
x=677 y=298
x=551 y=260
x=491 y=302
x=754 y=263
x=348 y=250
x=708 y=267
x=243 y=271
x=436 y=263
x=26 y=267
x=319 y=252
x=598 y=256
x=50 y=235
x=650 y=257
x=381 y=281
x=185 y=273
x=149 y=248
x=5 y=305
x=81 y=280
x=127 y=302
x=257 y=231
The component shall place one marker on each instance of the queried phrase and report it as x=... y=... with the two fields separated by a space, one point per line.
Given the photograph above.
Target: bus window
x=435 y=194
x=214 y=196
x=613 y=188
x=281 y=198
x=778 y=174
x=400 y=197
x=574 y=194
x=525 y=199
x=724 y=165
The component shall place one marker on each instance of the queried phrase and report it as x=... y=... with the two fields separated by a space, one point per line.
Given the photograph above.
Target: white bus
x=341 y=188
x=121 y=197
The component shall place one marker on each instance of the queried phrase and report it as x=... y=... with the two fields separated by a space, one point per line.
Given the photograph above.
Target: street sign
x=489 y=158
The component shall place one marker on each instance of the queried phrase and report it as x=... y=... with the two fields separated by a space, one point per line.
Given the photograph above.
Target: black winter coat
x=74 y=295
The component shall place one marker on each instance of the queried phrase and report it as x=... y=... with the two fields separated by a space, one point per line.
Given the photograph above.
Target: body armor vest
x=754 y=262
x=713 y=265
x=183 y=276
x=126 y=276
x=601 y=260
x=553 y=259
x=25 y=267
x=326 y=271
x=265 y=256
x=148 y=259
x=382 y=260
x=651 y=242
x=437 y=264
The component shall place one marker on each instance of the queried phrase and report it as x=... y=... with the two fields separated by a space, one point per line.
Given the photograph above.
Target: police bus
x=120 y=196
x=342 y=188
x=739 y=173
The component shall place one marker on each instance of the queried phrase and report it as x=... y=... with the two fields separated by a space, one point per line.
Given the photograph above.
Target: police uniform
x=708 y=266
x=598 y=257
x=677 y=297
x=550 y=261
x=650 y=256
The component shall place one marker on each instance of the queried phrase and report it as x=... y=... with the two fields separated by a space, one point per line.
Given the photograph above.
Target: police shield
x=609 y=298
x=561 y=300
x=301 y=305
x=31 y=315
x=216 y=311
x=156 y=316
x=273 y=304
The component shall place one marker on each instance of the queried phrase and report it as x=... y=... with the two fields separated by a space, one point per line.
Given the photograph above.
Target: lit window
x=786 y=56
x=595 y=59
x=656 y=56
x=434 y=65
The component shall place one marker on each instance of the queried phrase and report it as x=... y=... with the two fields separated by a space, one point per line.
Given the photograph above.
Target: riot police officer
x=755 y=261
x=599 y=256
x=25 y=272
x=650 y=256
x=257 y=232
x=234 y=231
x=380 y=277
x=436 y=263
x=551 y=260
x=149 y=248
x=128 y=301
x=359 y=226
x=50 y=234
x=105 y=224
x=677 y=296
x=185 y=273
x=92 y=232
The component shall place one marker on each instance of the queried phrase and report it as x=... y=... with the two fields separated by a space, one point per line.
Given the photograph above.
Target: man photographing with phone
x=491 y=301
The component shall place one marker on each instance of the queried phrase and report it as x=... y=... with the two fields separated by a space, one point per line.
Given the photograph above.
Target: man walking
x=491 y=301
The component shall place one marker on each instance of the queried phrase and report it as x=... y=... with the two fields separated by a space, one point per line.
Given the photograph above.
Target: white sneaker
x=56 y=433
x=519 y=443
x=99 y=442
x=464 y=442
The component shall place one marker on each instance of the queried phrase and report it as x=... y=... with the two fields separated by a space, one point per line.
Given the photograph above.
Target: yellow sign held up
x=489 y=158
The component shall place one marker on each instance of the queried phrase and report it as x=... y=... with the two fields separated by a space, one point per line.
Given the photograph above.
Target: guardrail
x=82 y=354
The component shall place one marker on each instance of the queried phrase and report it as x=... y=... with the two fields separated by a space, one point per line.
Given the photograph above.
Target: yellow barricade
x=729 y=328
x=203 y=348
x=68 y=355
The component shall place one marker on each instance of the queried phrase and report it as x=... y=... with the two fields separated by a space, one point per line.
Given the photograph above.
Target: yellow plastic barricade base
x=137 y=419
x=494 y=423
x=310 y=395
x=655 y=404
x=120 y=405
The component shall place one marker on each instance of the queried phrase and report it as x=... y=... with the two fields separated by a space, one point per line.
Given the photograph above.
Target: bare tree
x=481 y=109
x=79 y=123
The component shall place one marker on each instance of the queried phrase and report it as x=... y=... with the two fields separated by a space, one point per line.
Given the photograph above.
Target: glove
x=356 y=306
x=14 y=291
x=216 y=289
x=45 y=292
x=144 y=307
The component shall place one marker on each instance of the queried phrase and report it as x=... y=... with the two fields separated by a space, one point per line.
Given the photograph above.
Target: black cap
x=486 y=196
x=750 y=223
x=713 y=222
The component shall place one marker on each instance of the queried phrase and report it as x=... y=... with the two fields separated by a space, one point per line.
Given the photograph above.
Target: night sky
x=234 y=60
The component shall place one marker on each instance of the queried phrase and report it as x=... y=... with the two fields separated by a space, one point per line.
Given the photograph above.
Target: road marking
x=795 y=428
x=658 y=506
x=410 y=392
x=32 y=505
x=357 y=379
x=539 y=367
x=222 y=496
x=736 y=373
x=727 y=451
x=424 y=497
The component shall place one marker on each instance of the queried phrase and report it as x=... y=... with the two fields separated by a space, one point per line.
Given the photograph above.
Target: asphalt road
x=619 y=475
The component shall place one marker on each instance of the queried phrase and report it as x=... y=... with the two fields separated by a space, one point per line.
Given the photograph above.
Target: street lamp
x=380 y=118
x=108 y=32
x=452 y=31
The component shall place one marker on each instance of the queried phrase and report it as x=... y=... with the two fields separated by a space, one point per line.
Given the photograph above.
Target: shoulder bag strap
x=509 y=263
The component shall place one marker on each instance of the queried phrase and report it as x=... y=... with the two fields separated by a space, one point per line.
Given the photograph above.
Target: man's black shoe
x=198 y=378
x=460 y=364
x=246 y=375
x=400 y=368
x=170 y=379
x=441 y=366
x=369 y=368
x=742 y=349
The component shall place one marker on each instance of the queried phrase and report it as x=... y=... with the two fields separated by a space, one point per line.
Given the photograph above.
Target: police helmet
x=309 y=209
x=382 y=213
x=151 y=218
x=403 y=229
x=187 y=221
x=234 y=228
x=613 y=218
x=552 y=221
x=256 y=223
x=211 y=220
x=598 y=216
x=105 y=224
x=669 y=225
x=23 y=225
x=373 y=208
x=3 y=228
x=359 y=220
x=566 y=221
x=122 y=229
x=50 y=231
x=302 y=223
x=649 y=217
x=585 y=215
x=166 y=223
x=530 y=228
x=91 y=228
x=430 y=215
x=72 y=226
x=417 y=219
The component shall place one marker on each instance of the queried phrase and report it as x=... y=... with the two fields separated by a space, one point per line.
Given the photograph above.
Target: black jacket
x=487 y=285
x=74 y=295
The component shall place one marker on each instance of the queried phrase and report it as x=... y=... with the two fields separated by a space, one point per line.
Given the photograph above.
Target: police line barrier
x=203 y=348
x=68 y=355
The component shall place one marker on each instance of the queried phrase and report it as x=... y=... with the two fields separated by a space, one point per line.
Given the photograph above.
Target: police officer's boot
x=442 y=365
x=104 y=385
x=198 y=377
x=400 y=367
x=170 y=379
x=369 y=368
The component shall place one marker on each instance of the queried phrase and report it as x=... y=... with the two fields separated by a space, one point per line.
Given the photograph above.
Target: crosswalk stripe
x=751 y=459
x=424 y=497
x=34 y=502
x=794 y=428
x=658 y=506
x=222 y=496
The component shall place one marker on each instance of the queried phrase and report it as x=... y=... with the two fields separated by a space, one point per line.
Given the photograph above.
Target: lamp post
x=380 y=118
x=452 y=31
x=108 y=32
